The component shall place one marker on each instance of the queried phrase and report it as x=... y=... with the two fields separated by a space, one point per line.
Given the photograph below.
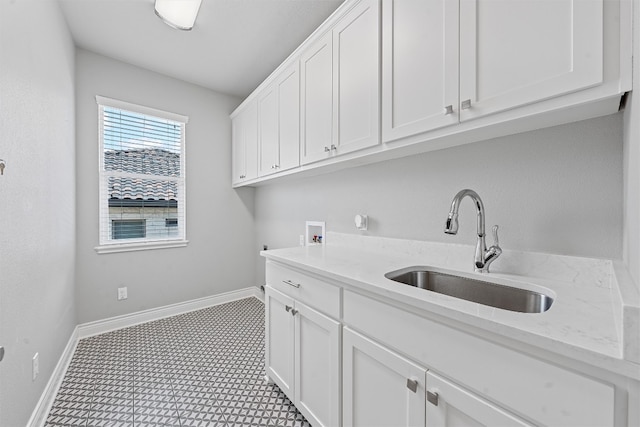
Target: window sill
x=140 y=246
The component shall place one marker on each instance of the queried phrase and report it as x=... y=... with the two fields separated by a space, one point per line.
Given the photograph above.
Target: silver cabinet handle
x=432 y=398
x=288 y=308
x=290 y=283
x=412 y=385
x=294 y=311
x=448 y=110
x=466 y=104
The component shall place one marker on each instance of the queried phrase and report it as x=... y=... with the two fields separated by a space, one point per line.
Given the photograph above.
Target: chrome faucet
x=483 y=256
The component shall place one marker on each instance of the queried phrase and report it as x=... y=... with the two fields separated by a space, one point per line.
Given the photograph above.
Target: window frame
x=108 y=244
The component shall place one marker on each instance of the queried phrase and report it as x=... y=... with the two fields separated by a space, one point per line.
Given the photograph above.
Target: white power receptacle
x=302 y=240
x=35 y=366
x=122 y=293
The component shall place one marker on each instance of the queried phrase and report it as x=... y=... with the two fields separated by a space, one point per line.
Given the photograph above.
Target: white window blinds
x=142 y=170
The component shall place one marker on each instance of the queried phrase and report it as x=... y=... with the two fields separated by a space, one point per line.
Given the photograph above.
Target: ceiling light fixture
x=179 y=14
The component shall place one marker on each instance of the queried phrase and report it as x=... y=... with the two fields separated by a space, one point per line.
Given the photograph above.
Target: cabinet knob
x=448 y=110
x=466 y=104
x=294 y=311
x=432 y=398
x=326 y=149
x=288 y=307
x=333 y=147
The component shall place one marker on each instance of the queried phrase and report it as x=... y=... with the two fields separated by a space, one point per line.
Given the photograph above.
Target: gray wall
x=556 y=190
x=632 y=164
x=37 y=199
x=219 y=220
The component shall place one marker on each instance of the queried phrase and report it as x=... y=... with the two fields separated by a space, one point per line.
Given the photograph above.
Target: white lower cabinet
x=384 y=389
x=279 y=337
x=349 y=358
x=303 y=357
x=451 y=405
x=531 y=388
x=380 y=388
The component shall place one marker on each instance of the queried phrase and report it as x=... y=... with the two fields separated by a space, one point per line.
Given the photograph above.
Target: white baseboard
x=107 y=325
x=41 y=411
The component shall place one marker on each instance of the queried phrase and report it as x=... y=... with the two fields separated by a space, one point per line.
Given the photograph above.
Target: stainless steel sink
x=481 y=292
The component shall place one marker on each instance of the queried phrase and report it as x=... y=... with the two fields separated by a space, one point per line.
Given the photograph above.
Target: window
x=142 y=185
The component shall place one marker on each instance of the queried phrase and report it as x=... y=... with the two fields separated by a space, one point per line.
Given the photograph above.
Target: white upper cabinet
x=356 y=41
x=518 y=52
x=244 y=129
x=289 y=117
x=340 y=86
x=419 y=66
x=316 y=80
x=268 y=132
x=279 y=123
x=510 y=54
x=397 y=77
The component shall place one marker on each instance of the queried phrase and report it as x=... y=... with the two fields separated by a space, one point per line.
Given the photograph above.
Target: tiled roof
x=150 y=161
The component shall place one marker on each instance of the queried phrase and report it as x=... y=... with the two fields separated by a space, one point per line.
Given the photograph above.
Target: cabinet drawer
x=304 y=288
x=532 y=388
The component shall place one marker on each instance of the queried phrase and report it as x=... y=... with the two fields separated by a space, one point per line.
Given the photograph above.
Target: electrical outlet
x=122 y=293
x=302 y=240
x=35 y=366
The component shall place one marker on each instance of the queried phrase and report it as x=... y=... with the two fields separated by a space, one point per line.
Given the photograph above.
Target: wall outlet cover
x=122 y=293
x=35 y=366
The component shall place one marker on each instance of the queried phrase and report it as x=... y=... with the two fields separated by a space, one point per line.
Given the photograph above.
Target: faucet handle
x=494 y=231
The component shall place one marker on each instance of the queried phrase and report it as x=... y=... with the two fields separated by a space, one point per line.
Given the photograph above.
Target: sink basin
x=481 y=292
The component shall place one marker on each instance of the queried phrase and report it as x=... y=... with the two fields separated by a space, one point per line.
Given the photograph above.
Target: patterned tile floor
x=203 y=368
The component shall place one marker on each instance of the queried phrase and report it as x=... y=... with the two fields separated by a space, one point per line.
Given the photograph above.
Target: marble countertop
x=584 y=322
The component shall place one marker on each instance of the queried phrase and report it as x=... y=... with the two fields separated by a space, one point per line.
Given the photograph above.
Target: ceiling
x=233 y=47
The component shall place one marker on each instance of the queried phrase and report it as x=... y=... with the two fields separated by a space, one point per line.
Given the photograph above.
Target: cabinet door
x=356 y=41
x=450 y=405
x=268 y=131
x=317 y=366
x=288 y=87
x=420 y=66
x=316 y=80
x=238 y=153
x=378 y=385
x=517 y=52
x=245 y=144
x=279 y=336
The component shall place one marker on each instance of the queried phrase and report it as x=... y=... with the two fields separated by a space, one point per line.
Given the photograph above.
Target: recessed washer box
x=315 y=233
